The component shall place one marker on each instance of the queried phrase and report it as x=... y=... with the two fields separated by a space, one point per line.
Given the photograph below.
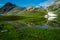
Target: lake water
x=44 y=26
x=37 y=26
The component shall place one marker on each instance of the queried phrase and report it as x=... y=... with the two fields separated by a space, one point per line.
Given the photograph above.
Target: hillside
x=25 y=14
x=28 y=15
x=29 y=23
x=54 y=6
x=6 y=8
x=9 y=8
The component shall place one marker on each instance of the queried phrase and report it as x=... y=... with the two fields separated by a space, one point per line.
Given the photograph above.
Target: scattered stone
x=4 y=31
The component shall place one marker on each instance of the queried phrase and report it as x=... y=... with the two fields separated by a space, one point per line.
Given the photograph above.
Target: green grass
x=12 y=33
x=58 y=13
x=40 y=34
x=31 y=17
x=11 y=18
x=34 y=17
x=29 y=33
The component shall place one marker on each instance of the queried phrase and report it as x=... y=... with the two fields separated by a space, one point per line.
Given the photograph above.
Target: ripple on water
x=44 y=26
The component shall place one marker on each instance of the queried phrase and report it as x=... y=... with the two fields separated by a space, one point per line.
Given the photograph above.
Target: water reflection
x=35 y=26
x=44 y=26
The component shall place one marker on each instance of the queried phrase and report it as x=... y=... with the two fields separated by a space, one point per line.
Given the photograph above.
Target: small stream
x=43 y=26
x=36 y=26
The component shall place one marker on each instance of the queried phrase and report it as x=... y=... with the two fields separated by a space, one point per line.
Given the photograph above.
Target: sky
x=25 y=3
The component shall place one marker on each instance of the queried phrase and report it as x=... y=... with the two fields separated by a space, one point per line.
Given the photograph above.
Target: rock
x=4 y=31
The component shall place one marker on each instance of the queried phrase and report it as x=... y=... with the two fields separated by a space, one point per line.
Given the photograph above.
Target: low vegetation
x=29 y=33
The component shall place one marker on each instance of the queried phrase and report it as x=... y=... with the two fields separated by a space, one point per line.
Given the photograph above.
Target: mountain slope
x=6 y=8
x=10 y=8
x=54 y=6
x=16 y=10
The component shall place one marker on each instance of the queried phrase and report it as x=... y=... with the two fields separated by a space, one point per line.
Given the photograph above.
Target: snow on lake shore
x=50 y=16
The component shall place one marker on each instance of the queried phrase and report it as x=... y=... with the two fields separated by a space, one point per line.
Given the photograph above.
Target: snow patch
x=50 y=16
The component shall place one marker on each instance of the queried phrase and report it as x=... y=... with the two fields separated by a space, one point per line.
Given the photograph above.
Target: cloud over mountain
x=46 y=3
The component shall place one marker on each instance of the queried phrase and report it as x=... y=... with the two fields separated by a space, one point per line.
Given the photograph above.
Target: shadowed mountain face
x=8 y=7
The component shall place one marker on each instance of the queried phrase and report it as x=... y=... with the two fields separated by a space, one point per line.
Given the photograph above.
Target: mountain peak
x=9 y=4
x=7 y=7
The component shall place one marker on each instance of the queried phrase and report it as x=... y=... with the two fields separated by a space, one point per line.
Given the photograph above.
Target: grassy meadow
x=29 y=33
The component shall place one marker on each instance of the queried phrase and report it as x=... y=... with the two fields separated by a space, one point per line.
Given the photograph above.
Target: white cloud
x=46 y=3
